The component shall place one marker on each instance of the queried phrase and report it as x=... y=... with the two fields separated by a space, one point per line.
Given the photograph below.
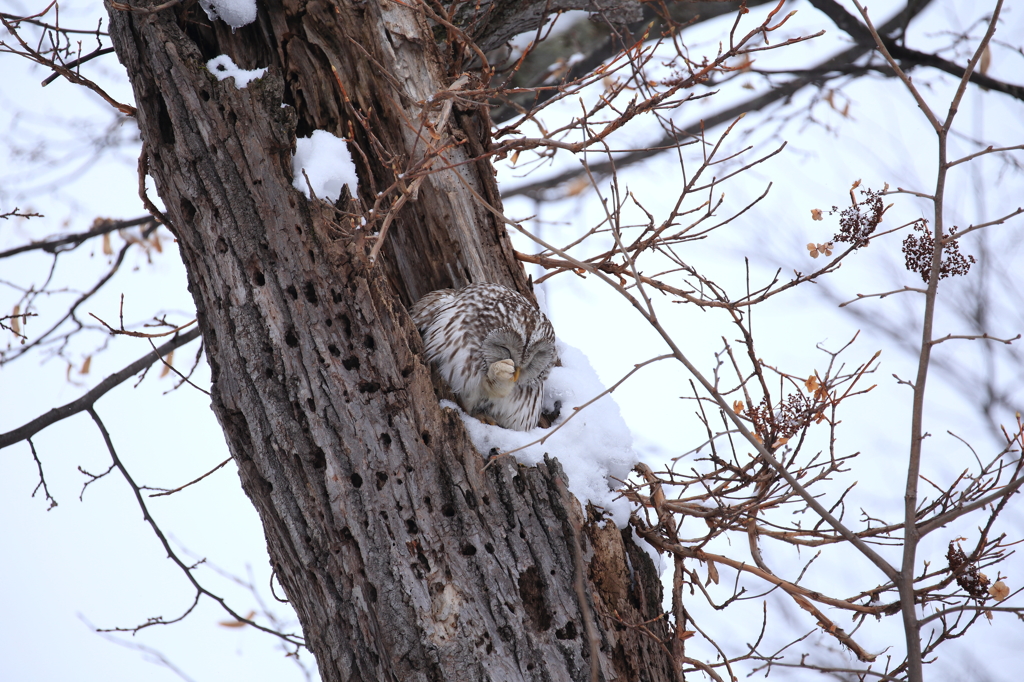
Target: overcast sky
x=95 y=563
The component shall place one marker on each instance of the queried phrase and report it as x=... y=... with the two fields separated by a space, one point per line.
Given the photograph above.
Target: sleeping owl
x=493 y=347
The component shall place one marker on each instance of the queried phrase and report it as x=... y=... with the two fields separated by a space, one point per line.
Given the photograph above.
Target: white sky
x=96 y=560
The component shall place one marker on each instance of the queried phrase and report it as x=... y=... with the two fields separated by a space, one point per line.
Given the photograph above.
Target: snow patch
x=234 y=13
x=327 y=163
x=223 y=67
x=594 y=447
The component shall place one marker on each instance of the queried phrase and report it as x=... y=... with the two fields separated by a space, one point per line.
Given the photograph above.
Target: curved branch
x=89 y=399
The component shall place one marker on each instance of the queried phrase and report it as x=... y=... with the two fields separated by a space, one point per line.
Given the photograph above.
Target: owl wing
x=426 y=309
x=448 y=341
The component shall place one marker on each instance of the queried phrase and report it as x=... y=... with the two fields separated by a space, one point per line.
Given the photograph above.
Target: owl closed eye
x=493 y=347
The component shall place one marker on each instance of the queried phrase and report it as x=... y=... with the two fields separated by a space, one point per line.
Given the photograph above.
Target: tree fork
x=403 y=558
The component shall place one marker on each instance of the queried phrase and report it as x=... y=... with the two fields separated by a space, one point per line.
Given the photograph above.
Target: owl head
x=533 y=357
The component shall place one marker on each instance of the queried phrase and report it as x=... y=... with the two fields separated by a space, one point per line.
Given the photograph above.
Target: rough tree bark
x=403 y=558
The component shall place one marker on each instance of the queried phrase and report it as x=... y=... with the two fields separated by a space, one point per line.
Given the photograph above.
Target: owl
x=493 y=347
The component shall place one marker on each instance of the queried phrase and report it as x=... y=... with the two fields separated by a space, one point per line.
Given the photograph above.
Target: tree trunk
x=404 y=558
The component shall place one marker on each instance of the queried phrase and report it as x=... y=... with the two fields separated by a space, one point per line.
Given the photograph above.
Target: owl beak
x=515 y=375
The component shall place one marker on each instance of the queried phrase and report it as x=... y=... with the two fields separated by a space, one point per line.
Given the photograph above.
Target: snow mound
x=594 y=447
x=223 y=67
x=327 y=163
x=234 y=13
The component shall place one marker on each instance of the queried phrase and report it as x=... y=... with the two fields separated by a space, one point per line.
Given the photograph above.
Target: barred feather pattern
x=493 y=347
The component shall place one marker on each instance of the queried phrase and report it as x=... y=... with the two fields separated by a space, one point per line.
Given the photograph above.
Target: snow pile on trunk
x=593 y=444
x=223 y=67
x=234 y=13
x=328 y=165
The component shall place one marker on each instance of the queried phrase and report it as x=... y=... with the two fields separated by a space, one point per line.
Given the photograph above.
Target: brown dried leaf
x=815 y=214
x=737 y=407
x=15 y=320
x=168 y=361
x=236 y=623
x=577 y=186
x=812 y=383
x=107 y=249
x=712 y=573
x=86 y=365
x=999 y=591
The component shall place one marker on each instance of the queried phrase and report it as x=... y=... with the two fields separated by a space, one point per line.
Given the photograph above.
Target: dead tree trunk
x=403 y=558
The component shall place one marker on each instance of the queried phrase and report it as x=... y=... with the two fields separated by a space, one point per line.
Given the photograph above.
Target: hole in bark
x=489 y=547
x=346 y=534
x=205 y=95
x=298 y=228
x=222 y=246
x=382 y=478
x=328 y=322
x=291 y=339
x=232 y=119
x=430 y=507
x=319 y=459
x=486 y=500
x=259 y=279
x=333 y=350
x=357 y=480
x=411 y=526
x=468 y=550
x=368 y=387
x=529 y=666
x=373 y=591
x=345 y=322
x=188 y=210
x=426 y=437
x=385 y=439
x=335 y=296
x=293 y=292
x=567 y=632
x=311 y=404
x=164 y=121
x=269 y=373
x=310 y=292
x=531 y=591
x=369 y=342
x=448 y=510
x=406 y=372
x=398 y=481
x=470 y=498
x=517 y=481
x=350 y=363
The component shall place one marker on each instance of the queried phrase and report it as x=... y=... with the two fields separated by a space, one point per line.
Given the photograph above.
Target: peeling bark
x=404 y=558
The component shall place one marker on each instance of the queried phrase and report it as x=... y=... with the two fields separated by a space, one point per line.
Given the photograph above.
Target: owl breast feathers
x=493 y=347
